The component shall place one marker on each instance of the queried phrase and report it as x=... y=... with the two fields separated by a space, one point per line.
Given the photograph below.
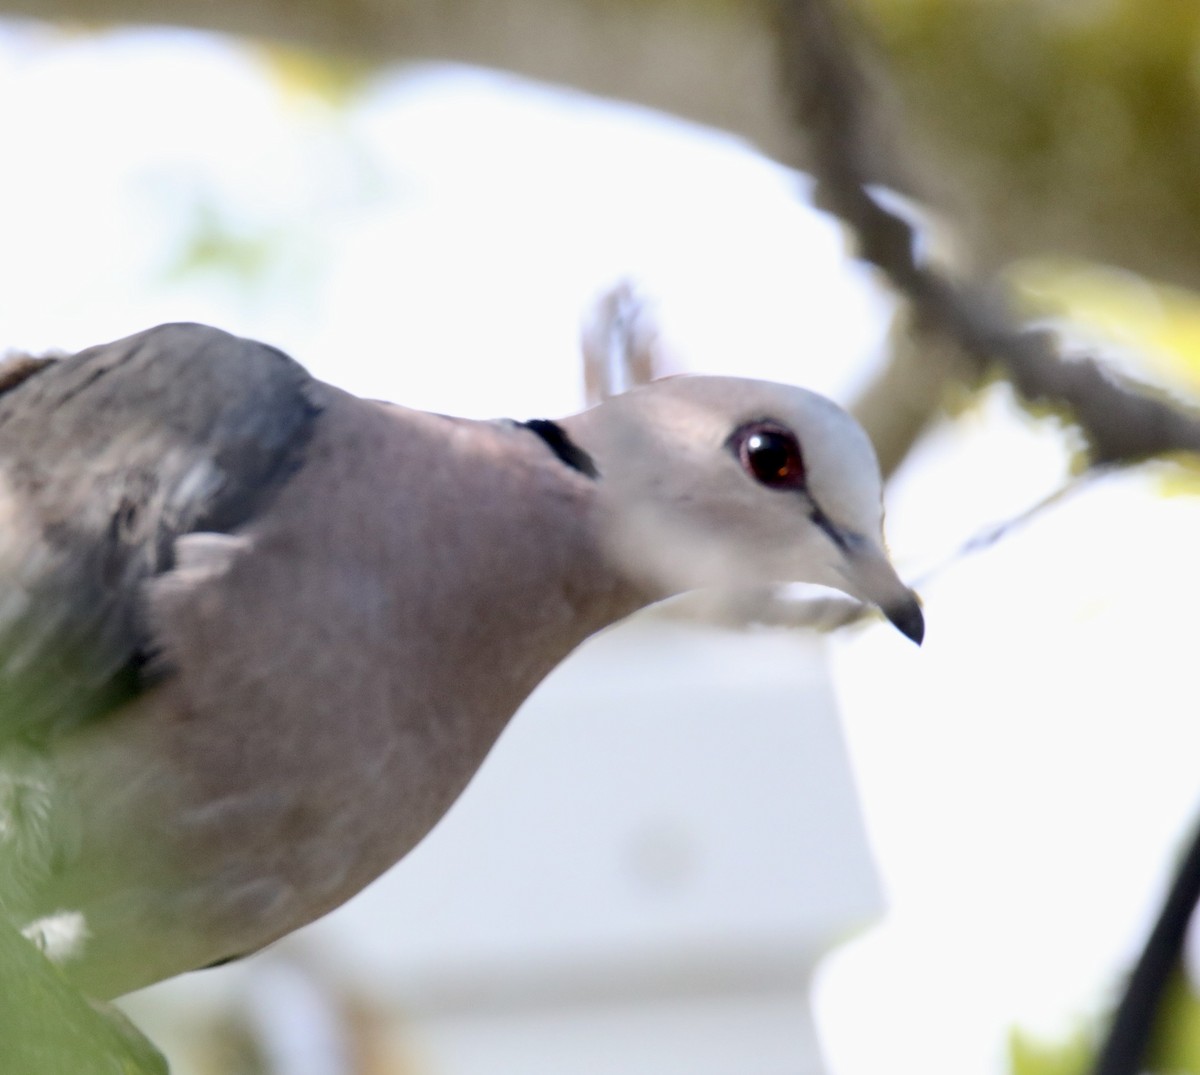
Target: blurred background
x=695 y=850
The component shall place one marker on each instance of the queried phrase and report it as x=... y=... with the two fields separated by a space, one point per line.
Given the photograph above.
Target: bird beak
x=870 y=577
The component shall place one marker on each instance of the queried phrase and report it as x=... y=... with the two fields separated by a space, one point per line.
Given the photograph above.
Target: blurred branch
x=907 y=394
x=705 y=61
x=777 y=607
x=827 y=87
x=700 y=61
x=1127 y=1045
x=830 y=100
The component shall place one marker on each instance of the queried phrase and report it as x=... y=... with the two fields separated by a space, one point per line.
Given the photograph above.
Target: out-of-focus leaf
x=1179 y=476
x=1151 y=328
x=47 y=1027
x=215 y=245
x=1066 y=126
x=1157 y=323
x=1176 y=1049
x=1030 y=1056
x=303 y=76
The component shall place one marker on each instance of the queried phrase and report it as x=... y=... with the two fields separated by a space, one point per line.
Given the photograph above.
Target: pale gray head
x=723 y=481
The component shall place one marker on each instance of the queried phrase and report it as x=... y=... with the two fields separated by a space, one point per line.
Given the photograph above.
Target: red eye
x=770 y=454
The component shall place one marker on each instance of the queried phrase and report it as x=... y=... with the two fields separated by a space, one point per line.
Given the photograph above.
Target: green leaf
x=47 y=1027
x=1030 y=1056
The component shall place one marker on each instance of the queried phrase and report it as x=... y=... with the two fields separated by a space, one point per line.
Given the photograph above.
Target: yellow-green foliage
x=1071 y=127
x=47 y=1027
x=1175 y=1049
x=1030 y=1056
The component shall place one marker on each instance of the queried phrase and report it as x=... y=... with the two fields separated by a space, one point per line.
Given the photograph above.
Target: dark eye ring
x=770 y=454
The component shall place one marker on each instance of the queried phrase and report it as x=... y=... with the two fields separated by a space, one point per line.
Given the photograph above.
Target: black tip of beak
x=907 y=618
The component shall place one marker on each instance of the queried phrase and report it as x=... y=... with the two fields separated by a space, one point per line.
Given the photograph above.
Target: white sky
x=1026 y=775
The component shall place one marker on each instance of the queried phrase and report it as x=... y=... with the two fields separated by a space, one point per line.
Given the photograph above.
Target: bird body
x=257 y=634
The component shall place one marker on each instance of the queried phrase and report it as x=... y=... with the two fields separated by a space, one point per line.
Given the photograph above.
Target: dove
x=257 y=634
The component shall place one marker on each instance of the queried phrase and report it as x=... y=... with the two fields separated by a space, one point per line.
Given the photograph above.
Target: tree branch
x=701 y=61
x=1127 y=1045
x=827 y=88
x=1122 y=422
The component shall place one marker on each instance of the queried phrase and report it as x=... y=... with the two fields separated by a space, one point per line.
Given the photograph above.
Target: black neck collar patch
x=563 y=446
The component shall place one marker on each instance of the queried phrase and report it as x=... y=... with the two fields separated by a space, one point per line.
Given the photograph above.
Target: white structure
x=639 y=882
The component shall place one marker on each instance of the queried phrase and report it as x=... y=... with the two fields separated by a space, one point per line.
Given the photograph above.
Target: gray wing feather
x=106 y=458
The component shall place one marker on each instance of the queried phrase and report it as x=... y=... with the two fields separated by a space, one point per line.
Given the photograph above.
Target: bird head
x=722 y=481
